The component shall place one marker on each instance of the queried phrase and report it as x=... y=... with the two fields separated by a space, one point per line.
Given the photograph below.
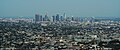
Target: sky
x=52 y=7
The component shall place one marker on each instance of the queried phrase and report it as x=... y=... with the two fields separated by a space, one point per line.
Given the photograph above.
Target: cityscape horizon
x=59 y=24
x=60 y=14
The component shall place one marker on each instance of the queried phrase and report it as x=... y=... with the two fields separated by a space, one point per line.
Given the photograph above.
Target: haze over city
x=85 y=8
x=59 y=24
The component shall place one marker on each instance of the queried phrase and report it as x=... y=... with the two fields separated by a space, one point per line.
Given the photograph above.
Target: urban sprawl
x=59 y=32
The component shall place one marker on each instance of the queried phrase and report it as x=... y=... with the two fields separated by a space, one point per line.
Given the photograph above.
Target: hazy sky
x=70 y=7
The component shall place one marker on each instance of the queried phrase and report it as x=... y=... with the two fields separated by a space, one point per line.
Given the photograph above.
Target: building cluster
x=54 y=18
x=86 y=34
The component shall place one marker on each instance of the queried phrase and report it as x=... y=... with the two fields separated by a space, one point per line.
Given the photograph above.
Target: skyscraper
x=37 y=17
x=64 y=16
x=57 y=17
x=54 y=18
x=41 y=18
x=46 y=17
x=72 y=18
x=61 y=18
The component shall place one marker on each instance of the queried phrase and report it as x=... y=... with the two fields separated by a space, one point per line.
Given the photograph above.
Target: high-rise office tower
x=46 y=17
x=61 y=18
x=51 y=19
x=64 y=16
x=72 y=18
x=37 y=17
x=57 y=17
x=41 y=18
x=54 y=18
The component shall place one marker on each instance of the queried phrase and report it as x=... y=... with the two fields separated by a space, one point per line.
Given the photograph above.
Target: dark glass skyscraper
x=61 y=18
x=41 y=18
x=72 y=18
x=37 y=17
x=54 y=18
x=57 y=17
